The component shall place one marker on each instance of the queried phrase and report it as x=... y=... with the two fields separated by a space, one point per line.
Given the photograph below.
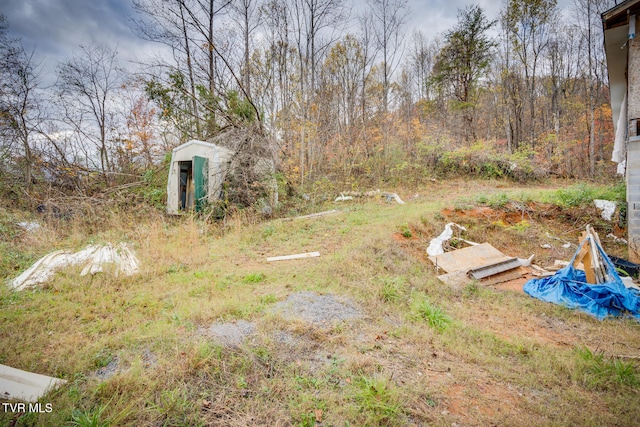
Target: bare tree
x=247 y=14
x=421 y=60
x=87 y=85
x=590 y=26
x=310 y=19
x=529 y=24
x=278 y=54
x=367 y=45
x=389 y=16
x=20 y=103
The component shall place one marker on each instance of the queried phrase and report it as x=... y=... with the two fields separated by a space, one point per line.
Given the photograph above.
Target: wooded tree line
x=344 y=93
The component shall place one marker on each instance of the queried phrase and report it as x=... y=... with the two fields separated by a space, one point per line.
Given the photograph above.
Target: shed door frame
x=185 y=183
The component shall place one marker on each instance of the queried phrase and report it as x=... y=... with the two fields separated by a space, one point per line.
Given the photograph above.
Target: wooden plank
x=598 y=266
x=588 y=264
x=295 y=256
x=313 y=215
x=468 y=258
x=584 y=258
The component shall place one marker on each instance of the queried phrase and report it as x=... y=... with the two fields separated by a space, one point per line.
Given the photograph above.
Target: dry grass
x=420 y=354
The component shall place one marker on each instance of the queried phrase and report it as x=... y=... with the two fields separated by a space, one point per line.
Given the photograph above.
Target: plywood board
x=16 y=384
x=456 y=279
x=468 y=258
x=295 y=256
x=506 y=276
x=459 y=279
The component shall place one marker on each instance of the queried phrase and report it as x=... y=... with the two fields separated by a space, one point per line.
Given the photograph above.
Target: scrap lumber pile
x=591 y=258
x=481 y=262
x=589 y=283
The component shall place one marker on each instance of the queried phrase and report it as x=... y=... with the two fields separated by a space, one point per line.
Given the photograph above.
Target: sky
x=55 y=28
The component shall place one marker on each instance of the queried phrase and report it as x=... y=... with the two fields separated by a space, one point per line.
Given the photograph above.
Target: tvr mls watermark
x=41 y=408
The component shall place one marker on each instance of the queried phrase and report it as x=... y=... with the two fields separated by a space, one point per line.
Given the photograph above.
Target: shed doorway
x=186 y=185
x=193 y=183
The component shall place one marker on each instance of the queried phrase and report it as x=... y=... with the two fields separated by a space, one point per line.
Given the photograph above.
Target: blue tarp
x=569 y=287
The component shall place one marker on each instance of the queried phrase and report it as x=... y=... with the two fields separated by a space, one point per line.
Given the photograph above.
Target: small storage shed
x=196 y=174
x=622 y=48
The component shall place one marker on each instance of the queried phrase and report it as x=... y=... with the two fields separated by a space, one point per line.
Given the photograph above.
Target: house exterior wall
x=633 y=148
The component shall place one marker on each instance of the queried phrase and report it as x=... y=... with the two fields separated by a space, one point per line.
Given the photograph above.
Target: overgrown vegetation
x=136 y=351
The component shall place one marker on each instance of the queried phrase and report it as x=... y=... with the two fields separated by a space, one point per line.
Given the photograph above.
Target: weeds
x=435 y=316
x=391 y=289
x=405 y=231
x=103 y=358
x=254 y=278
x=583 y=194
x=602 y=373
x=471 y=290
x=377 y=400
x=175 y=408
x=496 y=201
x=89 y=418
x=419 y=350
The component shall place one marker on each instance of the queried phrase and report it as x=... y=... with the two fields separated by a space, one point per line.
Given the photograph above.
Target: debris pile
x=477 y=261
x=589 y=283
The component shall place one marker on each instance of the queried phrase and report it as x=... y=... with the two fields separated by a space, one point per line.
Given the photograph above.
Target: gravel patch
x=110 y=370
x=317 y=309
x=149 y=359
x=231 y=334
x=285 y=338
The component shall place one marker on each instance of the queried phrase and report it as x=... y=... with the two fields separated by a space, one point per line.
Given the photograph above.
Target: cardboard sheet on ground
x=16 y=384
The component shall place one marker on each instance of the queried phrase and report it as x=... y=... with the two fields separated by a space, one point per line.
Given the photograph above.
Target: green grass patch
x=254 y=278
x=600 y=372
x=378 y=401
x=391 y=289
x=583 y=194
x=433 y=315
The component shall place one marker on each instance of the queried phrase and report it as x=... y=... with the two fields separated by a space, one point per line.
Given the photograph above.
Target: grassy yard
x=419 y=353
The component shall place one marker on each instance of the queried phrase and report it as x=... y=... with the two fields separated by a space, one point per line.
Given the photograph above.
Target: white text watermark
x=41 y=408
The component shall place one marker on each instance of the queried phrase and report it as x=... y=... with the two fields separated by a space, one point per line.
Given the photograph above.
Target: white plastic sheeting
x=435 y=246
x=93 y=259
x=607 y=208
x=619 y=154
